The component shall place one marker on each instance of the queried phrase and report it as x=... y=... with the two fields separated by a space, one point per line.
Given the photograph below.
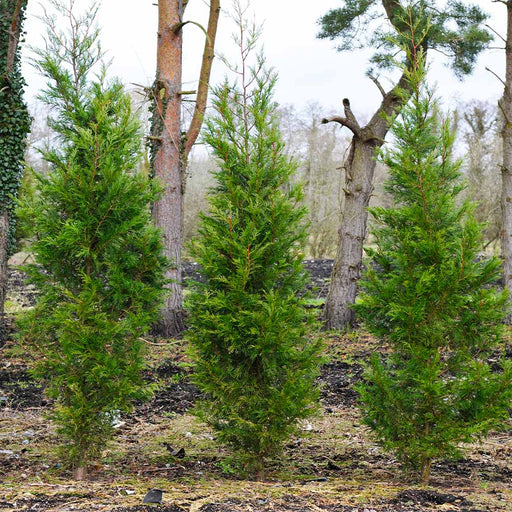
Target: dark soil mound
x=18 y=390
x=337 y=381
x=427 y=497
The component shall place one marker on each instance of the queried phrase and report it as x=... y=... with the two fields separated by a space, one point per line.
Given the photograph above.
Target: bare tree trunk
x=506 y=169
x=359 y=171
x=12 y=11
x=172 y=148
x=167 y=164
x=352 y=233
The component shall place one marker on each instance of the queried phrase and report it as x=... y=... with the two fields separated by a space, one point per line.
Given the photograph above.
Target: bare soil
x=334 y=465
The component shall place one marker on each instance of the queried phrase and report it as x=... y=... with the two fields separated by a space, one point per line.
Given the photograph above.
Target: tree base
x=171 y=325
x=341 y=318
x=80 y=473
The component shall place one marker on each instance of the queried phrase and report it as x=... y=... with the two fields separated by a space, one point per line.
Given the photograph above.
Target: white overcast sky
x=310 y=70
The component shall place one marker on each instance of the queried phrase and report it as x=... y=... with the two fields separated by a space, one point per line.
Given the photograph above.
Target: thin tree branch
x=378 y=84
x=498 y=34
x=204 y=78
x=344 y=122
x=493 y=73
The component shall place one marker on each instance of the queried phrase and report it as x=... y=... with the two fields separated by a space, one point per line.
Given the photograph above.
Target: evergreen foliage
x=250 y=333
x=456 y=29
x=427 y=292
x=99 y=268
x=14 y=117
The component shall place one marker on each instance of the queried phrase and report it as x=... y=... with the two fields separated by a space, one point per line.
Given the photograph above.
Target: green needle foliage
x=432 y=298
x=250 y=333
x=456 y=28
x=99 y=267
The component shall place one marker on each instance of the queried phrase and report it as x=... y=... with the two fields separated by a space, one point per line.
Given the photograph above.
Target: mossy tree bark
x=359 y=171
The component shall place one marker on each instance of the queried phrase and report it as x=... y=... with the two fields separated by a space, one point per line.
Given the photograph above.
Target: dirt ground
x=333 y=466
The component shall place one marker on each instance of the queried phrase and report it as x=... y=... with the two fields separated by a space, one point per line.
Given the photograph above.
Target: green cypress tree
x=432 y=298
x=254 y=356
x=99 y=259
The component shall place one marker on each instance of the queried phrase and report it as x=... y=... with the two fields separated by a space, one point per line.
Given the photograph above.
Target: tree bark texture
x=168 y=164
x=11 y=10
x=172 y=148
x=359 y=171
x=506 y=169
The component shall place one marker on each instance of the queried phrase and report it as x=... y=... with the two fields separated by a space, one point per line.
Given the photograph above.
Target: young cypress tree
x=99 y=267
x=432 y=298
x=250 y=334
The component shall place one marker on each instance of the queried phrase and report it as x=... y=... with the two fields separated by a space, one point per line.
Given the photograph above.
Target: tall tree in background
x=456 y=30
x=171 y=145
x=479 y=125
x=506 y=167
x=14 y=127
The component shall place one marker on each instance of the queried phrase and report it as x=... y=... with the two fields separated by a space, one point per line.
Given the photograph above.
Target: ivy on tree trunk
x=14 y=127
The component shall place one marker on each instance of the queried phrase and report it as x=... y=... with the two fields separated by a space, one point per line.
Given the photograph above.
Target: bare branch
x=499 y=35
x=493 y=73
x=204 y=77
x=176 y=28
x=378 y=84
x=349 y=114
x=354 y=128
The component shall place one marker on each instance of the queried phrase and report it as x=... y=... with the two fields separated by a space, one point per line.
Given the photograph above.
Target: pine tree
x=250 y=333
x=99 y=264
x=432 y=298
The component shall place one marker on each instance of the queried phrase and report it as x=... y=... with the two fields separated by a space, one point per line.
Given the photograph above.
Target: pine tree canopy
x=455 y=29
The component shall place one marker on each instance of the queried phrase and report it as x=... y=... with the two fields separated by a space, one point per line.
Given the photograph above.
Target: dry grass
x=334 y=447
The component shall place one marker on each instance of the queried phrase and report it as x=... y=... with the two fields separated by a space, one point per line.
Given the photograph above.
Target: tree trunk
x=167 y=163
x=506 y=169
x=359 y=171
x=12 y=12
x=172 y=148
x=80 y=473
x=358 y=189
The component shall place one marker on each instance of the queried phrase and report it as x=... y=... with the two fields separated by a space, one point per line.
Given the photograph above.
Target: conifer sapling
x=99 y=264
x=429 y=294
x=254 y=357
